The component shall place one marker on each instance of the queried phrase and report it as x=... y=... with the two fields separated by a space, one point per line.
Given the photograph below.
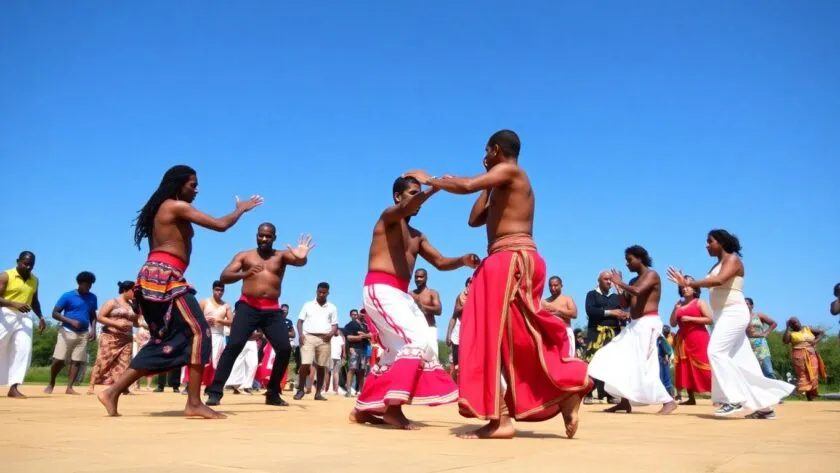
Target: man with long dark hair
x=180 y=334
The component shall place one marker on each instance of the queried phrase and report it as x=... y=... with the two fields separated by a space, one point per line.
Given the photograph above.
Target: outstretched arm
x=298 y=256
x=443 y=263
x=728 y=270
x=407 y=207
x=186 y=211
x=478 y=214
x=499 y=175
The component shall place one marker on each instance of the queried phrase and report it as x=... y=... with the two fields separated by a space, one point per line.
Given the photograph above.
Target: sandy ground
x=71 y=433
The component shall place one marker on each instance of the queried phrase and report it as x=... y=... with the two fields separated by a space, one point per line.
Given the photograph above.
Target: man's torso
x=648 y=303
x=355 y=328
x=394 y=249
x=603 y=302
x=19 y=289
x=267 y=283
x=318 y=318
x=426 y=297
x=170 y=234
x=511 y=208
x=78 y=307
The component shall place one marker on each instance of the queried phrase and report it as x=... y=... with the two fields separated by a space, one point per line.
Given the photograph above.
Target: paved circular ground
x=61 y=433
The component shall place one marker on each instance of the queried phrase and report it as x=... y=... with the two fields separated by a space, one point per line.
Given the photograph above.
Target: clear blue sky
x=641 y=122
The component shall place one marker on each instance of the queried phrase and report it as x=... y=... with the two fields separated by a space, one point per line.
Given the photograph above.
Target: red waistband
x=379 y=277
x=653 y=312
x=168 y=258
x=262 y=303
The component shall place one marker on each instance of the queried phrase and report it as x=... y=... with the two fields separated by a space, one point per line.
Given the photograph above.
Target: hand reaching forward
x=248 y=205
x=421 y=176
x=471 y=260
x=676 y=276
x=615 y=276
x=304 y=246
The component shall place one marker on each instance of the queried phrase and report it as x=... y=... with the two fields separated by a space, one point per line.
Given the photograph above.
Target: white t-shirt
x=336 y=347
x=318 y=319
x=456 y=333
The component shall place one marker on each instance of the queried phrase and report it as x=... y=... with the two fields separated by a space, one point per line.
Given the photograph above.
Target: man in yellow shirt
x=18 y=297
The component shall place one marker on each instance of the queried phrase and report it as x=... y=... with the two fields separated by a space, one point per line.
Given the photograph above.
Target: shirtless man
x=261 y=271
x=408 y=371
x=634 y=350
x=562 y=306
x=505 y=293
x=429 y=302
x=180 y=334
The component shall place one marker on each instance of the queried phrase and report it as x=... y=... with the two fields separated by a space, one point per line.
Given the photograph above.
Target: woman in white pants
x=737 y=379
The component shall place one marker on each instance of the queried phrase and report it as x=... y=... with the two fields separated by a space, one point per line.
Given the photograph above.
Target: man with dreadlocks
x=180 y=334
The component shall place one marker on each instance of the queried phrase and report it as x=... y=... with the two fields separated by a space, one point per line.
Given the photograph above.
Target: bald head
x=604 y=281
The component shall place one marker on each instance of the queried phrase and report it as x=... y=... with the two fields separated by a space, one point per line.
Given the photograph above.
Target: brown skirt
x=113 y=357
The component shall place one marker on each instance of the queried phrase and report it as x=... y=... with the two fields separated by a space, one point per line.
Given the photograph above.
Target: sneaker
x=728 y=409
x=763 y=415
x=298 y=396
x=275 y=400
x=213 y=400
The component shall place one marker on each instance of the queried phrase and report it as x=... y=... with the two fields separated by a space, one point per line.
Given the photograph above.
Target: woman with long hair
x=691 y=370
x=737 y=380
x=118 y=318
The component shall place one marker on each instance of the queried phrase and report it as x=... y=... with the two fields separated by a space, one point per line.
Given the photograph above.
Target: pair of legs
x=171 y=378
x=332 y=375
x=185 y=339
x=314 y=350
x=56 y=368
x=305 y=372
x=15 y=349
x=356 y=368
x=245 y=322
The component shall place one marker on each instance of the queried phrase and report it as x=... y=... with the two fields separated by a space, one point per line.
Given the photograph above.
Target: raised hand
x=676 y=276
x=304 y=246
x=421 y=176
x=471 y=260
x=248 y=205
x=254 y=270
x=615 y=276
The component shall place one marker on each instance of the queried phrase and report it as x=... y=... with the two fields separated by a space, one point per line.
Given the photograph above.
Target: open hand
x=250 y=204
x=421 y=176
x=471 y=260
x=676 y=276
x=615 y=276
x=304 y=246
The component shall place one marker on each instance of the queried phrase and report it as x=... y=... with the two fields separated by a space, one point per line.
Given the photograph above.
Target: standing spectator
x=317 y=324
x=76 y=310
x=18 y=297
x=761 y=325
x=603 y=324
x=338 y=353
x=358 y=343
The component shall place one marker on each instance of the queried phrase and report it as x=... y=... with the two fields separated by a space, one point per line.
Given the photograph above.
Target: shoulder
x=567 y=298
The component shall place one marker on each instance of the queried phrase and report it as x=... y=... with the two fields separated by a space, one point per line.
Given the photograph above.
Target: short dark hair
x=85 y=276
x=420 y=269
x=728 y=241
x=641 y=253
x=218 y=283
x=508 y=142
x=123 y=286
x=403 y=183
x=836 y=288
x=552 y=278
x=749 y=299
x=284 y=305
x=26 y=253
x=268 y=225
x=697 y=290
x=324 y=285
x=354 y=310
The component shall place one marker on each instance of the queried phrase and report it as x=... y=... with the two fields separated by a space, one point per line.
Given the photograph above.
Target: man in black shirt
x=358 y=340
x=605 y=319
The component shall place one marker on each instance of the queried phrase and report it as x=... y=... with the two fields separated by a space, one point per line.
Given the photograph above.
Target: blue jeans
x=665 y=375
x=767 y=367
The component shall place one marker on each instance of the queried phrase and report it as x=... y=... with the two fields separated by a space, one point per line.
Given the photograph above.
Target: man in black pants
x=261 y=271
x=174 y=380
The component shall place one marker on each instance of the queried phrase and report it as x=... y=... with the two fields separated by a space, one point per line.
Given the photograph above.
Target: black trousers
x=246 y=320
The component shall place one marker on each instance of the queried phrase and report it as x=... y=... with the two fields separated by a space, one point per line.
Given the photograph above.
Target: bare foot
x=202 y=410
x=494 y=430
x=71 y=392
x=14 y=393
x=668 y=408
x=396 y=418
x=49 y=389
x=109 y=400
x=570 y=408
x=624 y=405
x=90 y=392
x=359 y=417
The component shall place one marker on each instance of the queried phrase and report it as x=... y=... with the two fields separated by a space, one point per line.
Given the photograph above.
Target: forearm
x=60 y=317
x=230 y=219
x=711 y=281
x=36 y=307
x=454 y=185
x=447 y=264
x=478 y=213
x=5 y=303
x=230 y=277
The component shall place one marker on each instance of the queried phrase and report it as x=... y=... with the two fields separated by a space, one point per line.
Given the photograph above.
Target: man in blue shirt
x=76 y=310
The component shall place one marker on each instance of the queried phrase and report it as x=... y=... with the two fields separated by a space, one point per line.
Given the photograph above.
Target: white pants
x=218 y=346
x=736 y=374
x=629 y=364
x=433 y=336
x=245 y=366
x=399 y=321
x=15 y=346
x=571 y=334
